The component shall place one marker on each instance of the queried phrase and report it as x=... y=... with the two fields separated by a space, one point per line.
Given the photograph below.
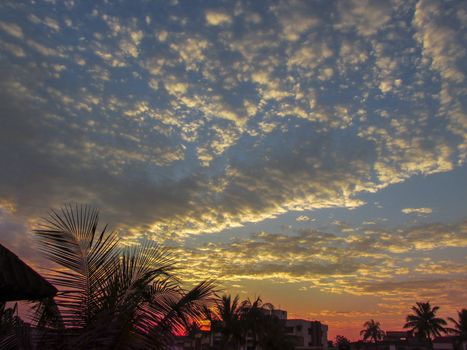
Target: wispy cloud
x=418 y=211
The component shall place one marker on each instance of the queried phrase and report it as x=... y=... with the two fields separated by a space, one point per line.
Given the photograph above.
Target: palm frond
x=111 y=297
x=173 y=314
x=70 y=238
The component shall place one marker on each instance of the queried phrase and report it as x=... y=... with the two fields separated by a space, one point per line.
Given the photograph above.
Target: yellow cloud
x=7 y=205
x=12 y=29
x=215 y=18
x=420 y=211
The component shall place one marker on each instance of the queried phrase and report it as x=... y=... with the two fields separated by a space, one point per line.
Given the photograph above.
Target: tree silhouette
x=253 y=318
x=460 y=325
x=249 y=320
x=227 y=312
x=424 y=323
x=342 y=343
x=273 y=335
x=372 y=331
x=111 y=297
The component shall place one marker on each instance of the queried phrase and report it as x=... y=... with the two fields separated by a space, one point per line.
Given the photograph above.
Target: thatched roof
x=20 y=282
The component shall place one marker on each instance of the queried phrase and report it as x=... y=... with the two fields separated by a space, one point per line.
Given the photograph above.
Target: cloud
x=226 y=125
x=13 y=49
x=12 y=29
x=303 y=218
x=216 y=18
x=444 y=50
x=200 y=125
x=52 y=24
x=418 y=211
x=367 y=16
x=295 y=18
x=7 y=206
x=365 y=264
x=44 y=50
x=311 y=54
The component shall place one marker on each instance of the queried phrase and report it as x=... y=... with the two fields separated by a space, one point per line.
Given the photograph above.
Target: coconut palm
x=424 y=323
x=273 y=335
x=253 y=319
x=460 y=326
x=227 y=312
x=372 y=331
x=111 y=297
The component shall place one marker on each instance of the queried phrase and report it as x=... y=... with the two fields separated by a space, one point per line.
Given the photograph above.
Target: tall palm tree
x=247 y=321
x=111 y=297
x=273 y=335
x=424 y=323
x=372 y=331
x=253 y=319
x=227 y=312
x=460 y=326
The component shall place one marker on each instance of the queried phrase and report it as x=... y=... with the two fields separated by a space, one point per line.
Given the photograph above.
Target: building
x=397 y=336
x=280 y=314
x=198 y=341
x=449 y=343
x=394 y=340
x=307 y=335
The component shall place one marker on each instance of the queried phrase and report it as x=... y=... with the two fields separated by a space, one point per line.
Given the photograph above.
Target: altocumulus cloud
x=390 y=264
x=181 y=120
x=418 y=211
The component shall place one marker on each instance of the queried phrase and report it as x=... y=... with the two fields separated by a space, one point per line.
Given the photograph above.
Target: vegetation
x=342 y=343
x=111 y=297
x=273 y=335
x=249 y=320
x=14 y=333
x=372 y=331
x=227 y=314
x=460 y=325
x=423 y=322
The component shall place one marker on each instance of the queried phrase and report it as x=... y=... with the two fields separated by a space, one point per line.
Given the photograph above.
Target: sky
x=312 y=153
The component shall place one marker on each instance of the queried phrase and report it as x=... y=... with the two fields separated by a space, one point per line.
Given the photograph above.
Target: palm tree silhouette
x=273 y=335
x=253 y=317
x=460 y=326
x=424 y=323
x=227 y=312
x=111 y=297
x=372 y=331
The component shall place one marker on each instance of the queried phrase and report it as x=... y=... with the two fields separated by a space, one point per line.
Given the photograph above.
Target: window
x=298 y=328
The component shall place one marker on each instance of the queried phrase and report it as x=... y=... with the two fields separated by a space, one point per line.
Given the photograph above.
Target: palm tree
x=372 y=331
x=424 y=323
x=273 y=335
x=227 y=312
x=253 y=318
x=460 y=326
x=111 y=297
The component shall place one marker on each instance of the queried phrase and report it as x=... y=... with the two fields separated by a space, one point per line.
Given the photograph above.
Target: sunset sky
x=312 y=153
